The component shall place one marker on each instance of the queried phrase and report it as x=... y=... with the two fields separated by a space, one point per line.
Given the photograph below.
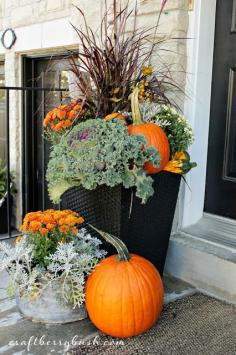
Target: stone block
x=29 y=2
x=93 y=14
x=53 y=5
x=39 y=10
x=149 y=6
x=22 y=15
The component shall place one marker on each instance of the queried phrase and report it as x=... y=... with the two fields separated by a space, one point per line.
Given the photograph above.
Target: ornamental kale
x=96 y=152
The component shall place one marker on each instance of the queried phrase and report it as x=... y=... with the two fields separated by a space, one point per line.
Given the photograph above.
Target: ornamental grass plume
x=116 y=59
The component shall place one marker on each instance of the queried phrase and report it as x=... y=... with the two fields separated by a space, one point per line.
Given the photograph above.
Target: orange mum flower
x=46 y=221
x=72 y=114
x=71 y=220
x=54 y=114
x=61 y=114
x=45 y=122
x=35 y=226
x=75 y=230
x=63 y=228
x=77 y=107
x=44 y=231
x=67 y=123
x=49 y=116
x=47 y=218
x=50 y=226
x=80 y=220
x=24 y=227
x=62 y=221
x=30 y=216
x=59 y=126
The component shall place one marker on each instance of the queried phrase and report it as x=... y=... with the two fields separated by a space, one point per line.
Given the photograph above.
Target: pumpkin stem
x=136 y=114
x=122 y=250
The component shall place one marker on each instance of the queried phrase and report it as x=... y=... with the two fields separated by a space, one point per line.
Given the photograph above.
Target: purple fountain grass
x=114 y=61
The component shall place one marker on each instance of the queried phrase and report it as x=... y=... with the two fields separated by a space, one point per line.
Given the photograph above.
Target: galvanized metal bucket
x=47 y=308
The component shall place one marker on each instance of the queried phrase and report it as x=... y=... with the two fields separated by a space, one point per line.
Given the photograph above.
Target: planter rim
x=47 y=308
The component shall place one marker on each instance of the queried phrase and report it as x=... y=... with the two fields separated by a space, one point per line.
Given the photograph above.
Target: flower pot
x=48 y=307
x=147 y=231
x=144 y=228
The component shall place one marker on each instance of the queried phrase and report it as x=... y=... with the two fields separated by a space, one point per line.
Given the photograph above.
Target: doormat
x=197 y=324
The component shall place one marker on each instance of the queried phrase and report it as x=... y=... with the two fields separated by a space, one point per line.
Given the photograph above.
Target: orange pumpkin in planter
x=124 y=294
x=154 y=135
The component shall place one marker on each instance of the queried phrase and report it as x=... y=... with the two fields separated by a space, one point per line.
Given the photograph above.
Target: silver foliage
x=69 y=265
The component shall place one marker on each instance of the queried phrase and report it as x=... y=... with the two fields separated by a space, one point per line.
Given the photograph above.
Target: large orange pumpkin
x=155 y=136
x=124 y=294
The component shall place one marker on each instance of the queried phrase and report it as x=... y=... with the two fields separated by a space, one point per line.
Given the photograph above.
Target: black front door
x=41 y=73
x=220 y=195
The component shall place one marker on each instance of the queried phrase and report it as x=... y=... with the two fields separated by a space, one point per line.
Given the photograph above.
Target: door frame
x=200 y=50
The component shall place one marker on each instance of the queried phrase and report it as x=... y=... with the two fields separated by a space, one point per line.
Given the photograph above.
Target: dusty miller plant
x=17 y=261
x=96 y=152
x=72 y=262
x=66 y=272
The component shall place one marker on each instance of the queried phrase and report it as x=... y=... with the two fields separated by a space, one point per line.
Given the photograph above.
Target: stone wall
x=24 y=15
x=18 y=13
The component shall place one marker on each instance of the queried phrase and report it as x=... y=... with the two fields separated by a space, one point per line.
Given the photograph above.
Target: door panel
x=229 y=167
x=41 y=73
x=220 y=195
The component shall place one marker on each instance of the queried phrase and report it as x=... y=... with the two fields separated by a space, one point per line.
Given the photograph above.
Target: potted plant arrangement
x=119 y=156
x=49 y=264
x=3 y=195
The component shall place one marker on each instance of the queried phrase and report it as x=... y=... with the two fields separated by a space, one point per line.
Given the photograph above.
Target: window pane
x=64 y=84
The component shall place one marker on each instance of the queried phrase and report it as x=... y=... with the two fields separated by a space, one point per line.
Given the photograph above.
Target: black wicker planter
x=145 y=229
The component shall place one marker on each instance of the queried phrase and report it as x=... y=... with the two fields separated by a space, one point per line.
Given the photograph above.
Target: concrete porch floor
x=18 y=335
